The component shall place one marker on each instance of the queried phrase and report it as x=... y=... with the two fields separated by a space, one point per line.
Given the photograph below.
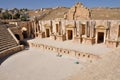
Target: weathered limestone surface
x=78 y=26
x=78 y=12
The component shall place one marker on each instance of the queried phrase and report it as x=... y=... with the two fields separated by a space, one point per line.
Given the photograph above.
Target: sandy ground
x=97 y=49
x=35 y=64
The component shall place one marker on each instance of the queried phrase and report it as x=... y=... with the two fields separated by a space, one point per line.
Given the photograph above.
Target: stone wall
x=91 y=29
x=78 y=12
x=16 y=31
x=61 y=51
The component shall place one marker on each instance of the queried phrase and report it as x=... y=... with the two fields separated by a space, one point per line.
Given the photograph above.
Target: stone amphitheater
x=74 y=43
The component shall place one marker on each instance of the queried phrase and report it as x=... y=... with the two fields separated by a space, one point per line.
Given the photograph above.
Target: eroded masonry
x=78 y=26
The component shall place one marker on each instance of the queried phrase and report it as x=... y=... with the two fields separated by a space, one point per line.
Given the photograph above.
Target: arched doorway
x=24 y=32
x=17 y=36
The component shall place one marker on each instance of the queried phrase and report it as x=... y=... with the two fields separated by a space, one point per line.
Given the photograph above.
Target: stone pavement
x=97 y=49
x=34 y=64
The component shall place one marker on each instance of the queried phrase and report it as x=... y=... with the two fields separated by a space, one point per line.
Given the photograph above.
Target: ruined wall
x=16 y=31
x=114 y=30
x=78 y=12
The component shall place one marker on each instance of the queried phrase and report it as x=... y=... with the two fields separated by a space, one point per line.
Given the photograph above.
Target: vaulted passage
x=17 y=36
x=70 y=35
x=100 y=37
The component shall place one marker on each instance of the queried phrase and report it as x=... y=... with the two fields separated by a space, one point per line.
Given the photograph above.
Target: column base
x=53 y=37
x=112 y=43
x=60 y=37
x=77 y=39
x=41 y=35
x=90 y=41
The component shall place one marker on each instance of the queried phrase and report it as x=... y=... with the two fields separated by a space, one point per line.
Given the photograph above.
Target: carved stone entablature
x=47 y=26
x=70 y=26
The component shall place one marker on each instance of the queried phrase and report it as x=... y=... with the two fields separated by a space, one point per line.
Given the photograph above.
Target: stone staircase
x=8 y=43
x=6 y=39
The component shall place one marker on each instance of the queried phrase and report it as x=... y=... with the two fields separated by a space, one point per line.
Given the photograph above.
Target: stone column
x=92 y=31
x=38 y=27
x=75 y=30
x=108 y=31
x=51 y=30
x=80 y=29
x=59 y=28
x=35 y=28
x=88 y=29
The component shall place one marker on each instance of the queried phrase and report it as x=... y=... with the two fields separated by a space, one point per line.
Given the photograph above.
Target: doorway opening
x=24 y=34
x=70 y=34
x=47 y=33
x=57 y=28
x=83 y=29
x=100 y=37
x=17 y=36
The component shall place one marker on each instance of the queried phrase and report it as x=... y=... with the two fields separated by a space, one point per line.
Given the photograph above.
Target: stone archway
x=17 y=36
x=24 y=32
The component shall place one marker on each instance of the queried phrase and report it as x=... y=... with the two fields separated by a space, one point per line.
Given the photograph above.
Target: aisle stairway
x=6 y=39
x=8 y=43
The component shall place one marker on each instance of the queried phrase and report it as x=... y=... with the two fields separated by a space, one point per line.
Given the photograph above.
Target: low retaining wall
x=73 y=53
x=11 y=51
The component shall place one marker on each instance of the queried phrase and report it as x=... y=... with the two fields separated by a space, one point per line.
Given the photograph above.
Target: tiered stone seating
x=6 y=40
x=8 y=45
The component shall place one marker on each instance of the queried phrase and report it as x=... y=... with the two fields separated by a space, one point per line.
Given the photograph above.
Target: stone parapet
x=111 y=43
x=68 y=52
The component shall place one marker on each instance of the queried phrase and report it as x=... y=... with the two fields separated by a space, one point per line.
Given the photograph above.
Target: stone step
x=2 y=38
x=7 y=40
x=5 y=34
x=10 y=42
x=7 y=47
x=7 y=43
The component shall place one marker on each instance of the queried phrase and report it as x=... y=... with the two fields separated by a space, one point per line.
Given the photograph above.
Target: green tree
x=6 y=15
x=16 y=16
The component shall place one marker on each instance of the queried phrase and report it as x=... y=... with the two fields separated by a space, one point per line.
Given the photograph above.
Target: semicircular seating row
x=8 y=44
